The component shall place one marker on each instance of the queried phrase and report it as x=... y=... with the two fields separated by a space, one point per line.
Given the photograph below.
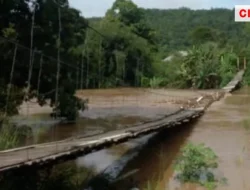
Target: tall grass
x=12 y=135
x=9 y=137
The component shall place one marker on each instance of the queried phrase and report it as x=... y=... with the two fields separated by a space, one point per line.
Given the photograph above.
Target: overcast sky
x=91 y=8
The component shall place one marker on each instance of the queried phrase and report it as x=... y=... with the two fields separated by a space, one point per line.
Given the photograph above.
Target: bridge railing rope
x=41 y=72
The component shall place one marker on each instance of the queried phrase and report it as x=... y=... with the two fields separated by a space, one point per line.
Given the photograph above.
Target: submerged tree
x=196 y=164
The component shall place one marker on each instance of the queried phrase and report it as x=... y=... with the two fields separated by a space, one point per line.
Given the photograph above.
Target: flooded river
x=149 y=161
x=108 y=109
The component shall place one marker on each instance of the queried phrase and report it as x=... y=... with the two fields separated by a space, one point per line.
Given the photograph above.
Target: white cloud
x=91 y=8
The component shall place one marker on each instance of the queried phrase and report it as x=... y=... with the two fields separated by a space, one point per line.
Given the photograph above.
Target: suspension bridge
x=42 y=72
x=190 y=108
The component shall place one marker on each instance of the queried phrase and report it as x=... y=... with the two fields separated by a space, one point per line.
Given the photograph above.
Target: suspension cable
x=44 y=56
x=10 y=82
x=81 y=85
x=87 y=56
x=58 y=58
x=77 y=77
x=50 y=57
x=99 y=64
x=39 y=75
x=32 y=52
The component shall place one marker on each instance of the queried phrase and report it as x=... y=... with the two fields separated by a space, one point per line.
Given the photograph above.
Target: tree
x=203 y=34
x=15 y=24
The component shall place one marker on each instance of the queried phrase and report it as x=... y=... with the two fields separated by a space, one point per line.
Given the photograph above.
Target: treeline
x=114 y=52
x=34 y=37
x=212 y=40
x=125 y=48
x=176 y=29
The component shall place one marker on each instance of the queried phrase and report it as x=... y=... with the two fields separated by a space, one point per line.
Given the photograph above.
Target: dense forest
x=176 y=29
x=50 y=50
x=210 y=34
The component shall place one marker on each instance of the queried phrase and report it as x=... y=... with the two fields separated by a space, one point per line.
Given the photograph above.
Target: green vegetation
x=205 y=66
x=67 y=176
x=196 y=26
x=246 y=78
x=12 y=136
x=8 y=137
x=196 y=164
x=246 y=124
x=179 y=29
x=16 y=22
x=125 y=48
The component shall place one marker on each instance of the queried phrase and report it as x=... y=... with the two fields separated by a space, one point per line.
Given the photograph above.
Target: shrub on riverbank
x=12 y=135
x=8 y=138
x=206 y=66
x=196 y=164
x=246 y=78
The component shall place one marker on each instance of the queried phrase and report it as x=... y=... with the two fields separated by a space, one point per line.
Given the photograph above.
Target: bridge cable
x=99 y=63
x=39 y=75
x=58 y=68
x=44 y=56
x=58 y=58
x=32 y=55
x=81 y=82
x=87 y=60
x=10 y=81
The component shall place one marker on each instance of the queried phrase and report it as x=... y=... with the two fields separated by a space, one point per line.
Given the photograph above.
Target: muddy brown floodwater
x=109 y=109
x=223 y=128
x=149 y=160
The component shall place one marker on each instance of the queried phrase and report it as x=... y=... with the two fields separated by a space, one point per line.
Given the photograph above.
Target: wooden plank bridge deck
x=49 y=153
x=40 y=154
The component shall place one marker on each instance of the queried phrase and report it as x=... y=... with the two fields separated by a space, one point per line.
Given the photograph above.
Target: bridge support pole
x=238 y=63
x=245 y=63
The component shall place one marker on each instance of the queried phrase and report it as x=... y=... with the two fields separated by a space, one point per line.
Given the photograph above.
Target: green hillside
x=175 y=28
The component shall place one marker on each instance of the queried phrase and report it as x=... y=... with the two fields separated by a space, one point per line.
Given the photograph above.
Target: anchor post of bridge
x=245 y=63
x=238 y=63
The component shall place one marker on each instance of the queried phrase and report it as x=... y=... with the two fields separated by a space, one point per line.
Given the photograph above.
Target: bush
x=196 y=164
x=206 y=66
x=11 y=135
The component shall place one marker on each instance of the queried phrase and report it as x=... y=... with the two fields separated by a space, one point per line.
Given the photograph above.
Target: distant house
x=169 y=58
